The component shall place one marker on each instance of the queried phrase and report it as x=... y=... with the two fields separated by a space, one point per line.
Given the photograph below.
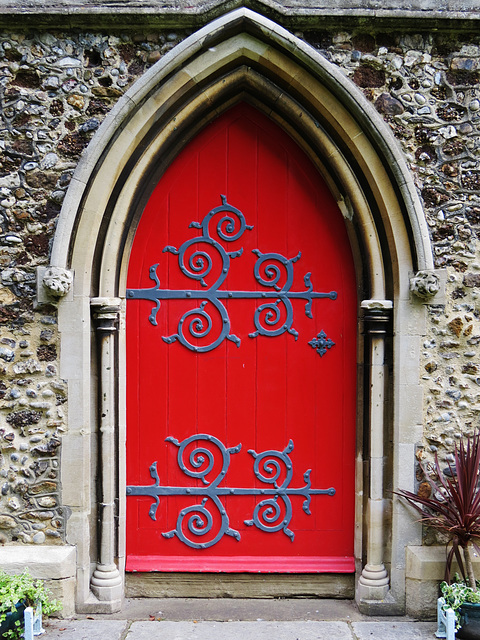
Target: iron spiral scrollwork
x=268 y=514
x=198 y=518
x=195 y=523
x=196 y=259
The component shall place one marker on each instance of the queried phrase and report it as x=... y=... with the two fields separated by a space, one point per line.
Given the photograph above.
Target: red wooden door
x=241 y=352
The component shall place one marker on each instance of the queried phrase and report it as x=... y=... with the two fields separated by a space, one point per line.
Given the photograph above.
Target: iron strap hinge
x=273 y=513
x=269 y=270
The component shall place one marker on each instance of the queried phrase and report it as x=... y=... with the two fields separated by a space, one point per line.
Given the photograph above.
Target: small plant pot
x=470 y=621
x=12 y=617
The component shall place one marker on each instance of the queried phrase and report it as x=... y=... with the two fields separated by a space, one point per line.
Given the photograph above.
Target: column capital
x=106 y=312
x=377 y=315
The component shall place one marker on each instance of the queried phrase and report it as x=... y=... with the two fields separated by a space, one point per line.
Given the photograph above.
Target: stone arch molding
x=241 y=52
x=240 y=56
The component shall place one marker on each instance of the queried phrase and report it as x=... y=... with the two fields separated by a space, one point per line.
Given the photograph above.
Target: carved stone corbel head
x=57 y=281
x=425 y=284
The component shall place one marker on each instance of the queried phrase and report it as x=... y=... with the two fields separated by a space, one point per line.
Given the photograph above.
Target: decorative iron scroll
x=273 y=513
x=268 y=271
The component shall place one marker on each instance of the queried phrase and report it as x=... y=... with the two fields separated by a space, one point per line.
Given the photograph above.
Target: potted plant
x=16 y=593
x=453 y=508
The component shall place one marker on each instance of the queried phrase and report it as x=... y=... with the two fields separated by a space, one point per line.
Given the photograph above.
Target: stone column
x=106 y=582
x=374 y=582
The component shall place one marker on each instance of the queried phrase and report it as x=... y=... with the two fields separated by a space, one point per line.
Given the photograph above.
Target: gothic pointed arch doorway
x=241 y=362
x=241 y=56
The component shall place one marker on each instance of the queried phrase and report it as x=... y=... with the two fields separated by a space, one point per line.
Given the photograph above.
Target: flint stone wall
x=55 y=89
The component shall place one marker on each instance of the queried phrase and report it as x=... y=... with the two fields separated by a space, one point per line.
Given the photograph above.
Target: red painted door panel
x=222 y=352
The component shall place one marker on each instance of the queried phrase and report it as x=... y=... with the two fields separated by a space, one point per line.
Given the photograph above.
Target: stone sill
x=54 y=564
x=428 y=563
x=46 y=562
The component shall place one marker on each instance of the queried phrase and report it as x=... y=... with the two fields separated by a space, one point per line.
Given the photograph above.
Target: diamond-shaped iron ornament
x=321 y=343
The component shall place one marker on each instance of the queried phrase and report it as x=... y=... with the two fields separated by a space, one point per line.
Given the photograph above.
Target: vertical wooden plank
x=182 y=373
x=211 y=378
x=272 y=216
x=241 y=366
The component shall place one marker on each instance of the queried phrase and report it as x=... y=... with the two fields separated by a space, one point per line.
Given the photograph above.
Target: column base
x=106 y=584
x=389 y=606
x=373 y=584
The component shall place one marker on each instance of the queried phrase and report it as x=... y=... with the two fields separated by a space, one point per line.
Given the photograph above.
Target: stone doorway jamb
x=106 y=582
x=373 y=583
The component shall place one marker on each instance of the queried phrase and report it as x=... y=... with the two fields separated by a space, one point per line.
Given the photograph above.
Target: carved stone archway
x=241 y=56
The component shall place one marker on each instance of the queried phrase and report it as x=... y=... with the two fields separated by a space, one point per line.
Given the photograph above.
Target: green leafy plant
x=24 y=589
x=457 y=594
x=454 y=507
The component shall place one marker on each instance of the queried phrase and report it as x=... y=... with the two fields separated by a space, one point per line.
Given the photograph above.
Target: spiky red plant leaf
x=454 y=504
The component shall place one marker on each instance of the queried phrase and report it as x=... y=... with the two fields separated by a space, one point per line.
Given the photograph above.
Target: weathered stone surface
x=471 y=280
x=366 y=76
x=23 y=418
x=471 y=180
x=44 y=487
x=389 y=105
x=56 y=281
x=456 y=326
x=424 y=490
x=76 y=100
x=91 y=629
x=392 y=631
x=46 y=352
x=433 y=197
x=309 y=630
x=7 y=523
x=54 y=562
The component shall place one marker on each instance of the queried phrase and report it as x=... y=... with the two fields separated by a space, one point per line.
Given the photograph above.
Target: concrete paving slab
x=240 y=631
x=394 y=630
x=85 y=629
x=102 y=628
x=241 y=609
